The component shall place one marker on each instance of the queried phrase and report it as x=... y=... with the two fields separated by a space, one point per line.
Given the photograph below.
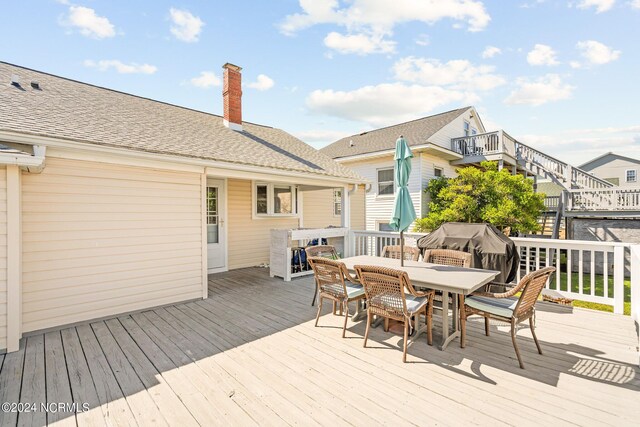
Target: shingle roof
x=416 y=132
x=72 y=110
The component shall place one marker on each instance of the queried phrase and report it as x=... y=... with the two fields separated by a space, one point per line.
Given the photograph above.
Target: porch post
x=618 y=279
x=346 y=208
x=635 y=290
x=14 y=259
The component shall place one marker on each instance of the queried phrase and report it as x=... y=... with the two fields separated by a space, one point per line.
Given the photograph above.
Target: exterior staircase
x=561 y=173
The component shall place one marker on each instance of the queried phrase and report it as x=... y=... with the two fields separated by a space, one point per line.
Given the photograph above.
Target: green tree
x=483 y=194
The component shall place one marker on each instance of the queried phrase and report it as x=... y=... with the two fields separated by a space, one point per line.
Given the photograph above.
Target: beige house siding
x=248 y=238
x=101 y=239
x=3 y=258
x=318 y=209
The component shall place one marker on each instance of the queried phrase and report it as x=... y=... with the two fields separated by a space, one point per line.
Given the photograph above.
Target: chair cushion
x=354 y=291
x=415 y=303
x=499 y=306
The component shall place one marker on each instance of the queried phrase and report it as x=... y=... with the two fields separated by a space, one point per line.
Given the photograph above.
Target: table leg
x=446 y=337
x=359 y=311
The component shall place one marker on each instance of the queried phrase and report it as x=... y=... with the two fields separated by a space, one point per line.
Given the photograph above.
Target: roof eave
x=30 y=139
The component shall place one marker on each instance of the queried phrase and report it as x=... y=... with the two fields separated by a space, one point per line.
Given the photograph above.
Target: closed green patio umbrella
x=403 y=213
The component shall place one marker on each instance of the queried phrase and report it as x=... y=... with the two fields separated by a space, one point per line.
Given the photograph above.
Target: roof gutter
x=31 y=163
x=168 y=158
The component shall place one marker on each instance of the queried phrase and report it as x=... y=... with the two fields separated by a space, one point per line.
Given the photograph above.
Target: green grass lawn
x=599 y=290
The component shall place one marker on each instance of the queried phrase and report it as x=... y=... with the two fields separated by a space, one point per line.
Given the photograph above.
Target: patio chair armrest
x=508 y=292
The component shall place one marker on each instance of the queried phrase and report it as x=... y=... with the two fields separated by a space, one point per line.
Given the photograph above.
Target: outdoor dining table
x=449 y=280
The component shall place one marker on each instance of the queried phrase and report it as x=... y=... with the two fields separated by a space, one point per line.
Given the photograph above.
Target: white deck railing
x=598 y=270
x=610 y=199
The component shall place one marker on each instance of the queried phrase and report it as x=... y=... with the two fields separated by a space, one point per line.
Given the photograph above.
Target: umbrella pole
x=401 y=248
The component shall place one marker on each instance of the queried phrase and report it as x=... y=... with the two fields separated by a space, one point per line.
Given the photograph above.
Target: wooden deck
x=249 y=355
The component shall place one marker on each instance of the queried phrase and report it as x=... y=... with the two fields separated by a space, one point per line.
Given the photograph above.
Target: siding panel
x=248 y=238
x=317 y=209
x=380 y=208
x=3 y=258
x=102 y=239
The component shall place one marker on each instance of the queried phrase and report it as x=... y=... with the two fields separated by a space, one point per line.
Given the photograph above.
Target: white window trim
x=270 y=213
x=333 y=205
x=626 y=175
x=378 y=184
x=466 y=128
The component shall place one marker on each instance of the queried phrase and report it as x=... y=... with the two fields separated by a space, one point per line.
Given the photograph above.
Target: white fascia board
x=167 y=160
x=415 y=148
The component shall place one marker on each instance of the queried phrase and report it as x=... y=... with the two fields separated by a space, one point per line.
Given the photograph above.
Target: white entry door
x=216 y=227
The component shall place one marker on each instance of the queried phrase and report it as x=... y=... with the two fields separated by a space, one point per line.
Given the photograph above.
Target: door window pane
x=282 y=200
x=261 y=199
x=212 y=215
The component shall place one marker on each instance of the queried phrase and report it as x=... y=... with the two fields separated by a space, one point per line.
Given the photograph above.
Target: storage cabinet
x=285 y=242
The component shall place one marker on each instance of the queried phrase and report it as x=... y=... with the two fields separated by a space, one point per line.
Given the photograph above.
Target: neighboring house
x=618 y=170
x=111 y=203
x=370 y=154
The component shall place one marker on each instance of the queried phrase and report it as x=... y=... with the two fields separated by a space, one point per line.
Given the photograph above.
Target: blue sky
x=561 y=75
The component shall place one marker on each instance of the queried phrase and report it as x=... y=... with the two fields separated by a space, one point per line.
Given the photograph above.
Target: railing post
x=618 y=279
x=635 y=290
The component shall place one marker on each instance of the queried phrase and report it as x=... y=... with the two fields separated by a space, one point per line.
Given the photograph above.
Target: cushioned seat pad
x=499 y=306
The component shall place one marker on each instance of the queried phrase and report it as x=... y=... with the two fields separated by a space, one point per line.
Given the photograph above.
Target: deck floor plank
x=57 y=379
x=33 y=390
x=10 y=383
x=83 y=388
x=249 y=354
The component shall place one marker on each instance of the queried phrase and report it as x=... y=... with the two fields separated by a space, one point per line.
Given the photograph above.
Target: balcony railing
x=604 y=199
x=484 y=144
x=588 y=271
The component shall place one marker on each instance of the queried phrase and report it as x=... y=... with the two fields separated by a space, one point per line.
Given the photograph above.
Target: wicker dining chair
x=329 y=252
x=447 y=257
x=387 y=298
x=332 y=282
x=410 y=253
x=505 y=307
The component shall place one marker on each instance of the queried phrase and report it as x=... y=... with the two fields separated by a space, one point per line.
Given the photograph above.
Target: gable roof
x=587 y=165
x=71 y=110
x=416 y=132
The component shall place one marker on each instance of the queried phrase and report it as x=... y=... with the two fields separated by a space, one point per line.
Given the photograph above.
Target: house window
x=631 y=175
x=337 y=202
x=438 y=172
x=275 y=199
x=466 y=128
x=385 y=182
x=212 y=215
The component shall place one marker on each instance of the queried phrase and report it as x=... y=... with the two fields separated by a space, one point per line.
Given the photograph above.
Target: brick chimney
x=232 y=96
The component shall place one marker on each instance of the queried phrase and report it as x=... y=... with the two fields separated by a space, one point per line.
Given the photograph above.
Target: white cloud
x=597 y=53
x=186 y=27
x=205 y=80
x=599 y=5
x=375 y=20
x=360 y=44
x=423 y=39
x=88 y=23
x=635 y=4
x=458 y=73
x=542 y=55
x=548 y=88
x=120 y=67
x=383 y=104
x=262 y=83
x=491 y=51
